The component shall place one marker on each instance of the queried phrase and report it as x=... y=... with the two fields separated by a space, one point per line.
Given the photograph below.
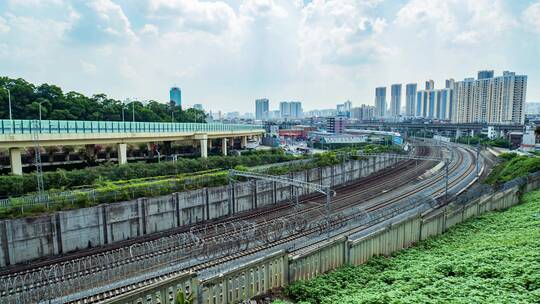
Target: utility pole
x=133 y=110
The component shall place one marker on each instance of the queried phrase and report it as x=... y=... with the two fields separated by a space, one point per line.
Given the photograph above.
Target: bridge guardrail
x=26 y=126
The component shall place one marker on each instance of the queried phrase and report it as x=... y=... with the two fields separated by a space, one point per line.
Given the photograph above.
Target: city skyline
x=126 y=49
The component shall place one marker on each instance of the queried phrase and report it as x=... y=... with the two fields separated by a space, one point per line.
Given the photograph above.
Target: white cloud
x=531 y=16
x=115 y=21
x=212 y=17
x=456 y=21
x=341 y=33
x=262 y=9
x=88 y=68
x=150 y=29
x=4 y=27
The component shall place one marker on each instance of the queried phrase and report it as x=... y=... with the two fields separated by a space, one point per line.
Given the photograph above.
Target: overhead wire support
x=36 y=129
x=323 y=189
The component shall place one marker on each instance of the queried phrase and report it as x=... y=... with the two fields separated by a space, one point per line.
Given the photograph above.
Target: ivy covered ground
x=492 y=259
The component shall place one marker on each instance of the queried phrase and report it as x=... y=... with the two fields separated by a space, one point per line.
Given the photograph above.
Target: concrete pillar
x=122 y=153
x=224 y=146
x=202 y=141
x=231 y=142
x=210 y=144
x=15 y=161
x=244 y=142
x=204 y=148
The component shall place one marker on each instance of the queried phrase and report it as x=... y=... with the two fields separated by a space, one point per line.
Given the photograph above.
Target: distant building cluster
x=287 y=110
x=489 y=98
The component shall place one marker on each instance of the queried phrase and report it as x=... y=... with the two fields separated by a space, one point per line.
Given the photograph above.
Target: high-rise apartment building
x=296 y=109
x=486 y=74
x=284 y=109
x=380 y=102
x=434 y=104
x=395 y=100
x=291 y=109
x=491 y=99
x=175 y=96
x=335 y=124
x=430 y=85
x=262 y=108
x=410 y=99
x=363 y=113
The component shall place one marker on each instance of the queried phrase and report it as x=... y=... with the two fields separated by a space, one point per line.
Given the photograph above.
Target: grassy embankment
x=491 y=259
x=511 y=166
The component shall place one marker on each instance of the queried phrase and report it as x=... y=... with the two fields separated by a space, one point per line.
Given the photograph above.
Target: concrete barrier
x=27 y=239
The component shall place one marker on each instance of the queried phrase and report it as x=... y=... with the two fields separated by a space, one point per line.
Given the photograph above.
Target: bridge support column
x=224 y=146
x=203 y=143
x=15 y=161
x=244 y=142
x=122 y=154
x=204 y=148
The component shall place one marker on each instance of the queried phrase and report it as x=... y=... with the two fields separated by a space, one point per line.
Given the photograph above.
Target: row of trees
x=57 y=105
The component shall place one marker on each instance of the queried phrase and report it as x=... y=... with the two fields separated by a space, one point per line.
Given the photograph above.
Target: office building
x=491 y=99
x=262 y=107
x=380 y=102
x=175 y=96
x=410 y=99
x=395 y=100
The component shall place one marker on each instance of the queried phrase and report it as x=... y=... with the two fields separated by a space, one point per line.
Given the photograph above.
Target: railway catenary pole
x=478 y=159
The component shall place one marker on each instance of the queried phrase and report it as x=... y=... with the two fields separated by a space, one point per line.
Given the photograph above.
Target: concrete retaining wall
x=279 y=269
x=26 y=239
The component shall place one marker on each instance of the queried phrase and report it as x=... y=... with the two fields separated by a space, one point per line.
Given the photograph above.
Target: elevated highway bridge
x=17 y=134
x=448 y=128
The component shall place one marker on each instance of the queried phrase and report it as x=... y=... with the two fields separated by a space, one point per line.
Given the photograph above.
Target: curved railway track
x=99 y=298
x=345 y=200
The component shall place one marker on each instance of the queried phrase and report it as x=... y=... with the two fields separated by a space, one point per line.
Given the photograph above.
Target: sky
x=225 y=54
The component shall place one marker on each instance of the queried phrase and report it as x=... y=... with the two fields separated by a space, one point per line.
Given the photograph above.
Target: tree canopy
x=57 y=105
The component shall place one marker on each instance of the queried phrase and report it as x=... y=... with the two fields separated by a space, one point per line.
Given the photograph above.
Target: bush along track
x=511 y=166
x=13 y=185
x=494 y=258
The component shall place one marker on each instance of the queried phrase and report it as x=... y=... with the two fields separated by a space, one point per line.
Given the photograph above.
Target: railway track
x=344 y=201
x=99 y=298
x=273 y=211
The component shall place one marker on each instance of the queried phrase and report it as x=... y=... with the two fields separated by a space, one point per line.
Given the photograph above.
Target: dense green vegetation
x=107 y=191
x=491 y=259
x=511 y=166
x=57 y=105
x=12 y=185
x=484 y=140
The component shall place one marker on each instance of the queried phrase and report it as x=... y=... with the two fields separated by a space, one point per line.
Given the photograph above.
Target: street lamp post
x=9 y=106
